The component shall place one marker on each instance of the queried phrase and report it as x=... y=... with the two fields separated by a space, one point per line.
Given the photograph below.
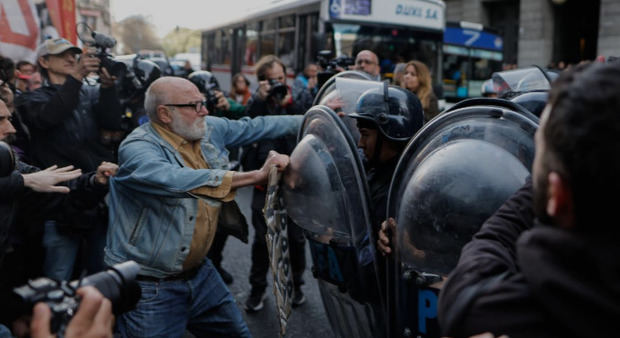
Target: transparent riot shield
x=512 y=83
x=452 y=176
x=346 y=87
x=330 y=85
x=326 y=194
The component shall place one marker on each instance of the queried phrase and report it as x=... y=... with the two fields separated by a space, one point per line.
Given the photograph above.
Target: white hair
x=151 y=101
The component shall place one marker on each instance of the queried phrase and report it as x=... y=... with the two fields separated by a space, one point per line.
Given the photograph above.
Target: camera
x=206 y=84
x=118 y=284
x=210 y=96
x=101 y=42
x=277 y=91
x=330 y=66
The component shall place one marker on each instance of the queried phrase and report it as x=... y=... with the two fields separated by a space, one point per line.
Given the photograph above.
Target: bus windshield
x=394 y=45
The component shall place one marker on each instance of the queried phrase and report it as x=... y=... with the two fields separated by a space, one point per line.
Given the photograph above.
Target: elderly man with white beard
x=164 y=206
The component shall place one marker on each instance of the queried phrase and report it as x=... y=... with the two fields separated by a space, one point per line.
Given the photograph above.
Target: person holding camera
x=273 y=97
x=66 y=117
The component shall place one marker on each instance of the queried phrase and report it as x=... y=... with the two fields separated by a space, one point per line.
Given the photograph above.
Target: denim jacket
x=152 y=213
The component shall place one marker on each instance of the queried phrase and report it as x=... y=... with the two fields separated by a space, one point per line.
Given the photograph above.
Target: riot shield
x=452 y=176
x=512 y=83
x=330 y=85
x=347 y=87
x=528 y=87
x=325 y=191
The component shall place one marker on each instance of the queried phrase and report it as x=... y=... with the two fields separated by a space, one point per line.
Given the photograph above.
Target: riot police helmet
x=204 y=80
x=146 y=71
x=534 y=101
x=139 y=77
x=396 y=112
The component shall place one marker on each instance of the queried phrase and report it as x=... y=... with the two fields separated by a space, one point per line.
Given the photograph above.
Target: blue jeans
x=61 y=250
x=203 y=305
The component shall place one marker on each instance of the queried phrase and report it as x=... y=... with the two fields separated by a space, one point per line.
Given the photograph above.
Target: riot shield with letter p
x=452 y=176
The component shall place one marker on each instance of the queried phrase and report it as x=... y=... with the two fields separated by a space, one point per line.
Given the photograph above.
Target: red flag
x=62 y=13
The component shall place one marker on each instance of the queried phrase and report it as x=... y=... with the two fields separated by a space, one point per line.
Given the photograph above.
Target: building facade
x=95 y=13
x=542 y=32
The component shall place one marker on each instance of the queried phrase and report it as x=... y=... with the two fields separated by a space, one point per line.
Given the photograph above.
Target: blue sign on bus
x=472 y=38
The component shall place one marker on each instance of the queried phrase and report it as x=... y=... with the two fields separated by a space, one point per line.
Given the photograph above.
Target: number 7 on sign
x=473 y=36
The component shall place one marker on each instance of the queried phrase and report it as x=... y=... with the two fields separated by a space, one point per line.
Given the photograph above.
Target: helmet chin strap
x=376 y=156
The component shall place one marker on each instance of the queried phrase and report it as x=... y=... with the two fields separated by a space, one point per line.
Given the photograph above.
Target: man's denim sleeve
x=147 y=167
x=227 y=133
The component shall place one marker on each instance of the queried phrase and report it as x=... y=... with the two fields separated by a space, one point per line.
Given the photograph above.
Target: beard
x=540 y=198
x=190 y=132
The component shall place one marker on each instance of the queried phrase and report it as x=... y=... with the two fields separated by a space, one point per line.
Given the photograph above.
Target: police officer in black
x=387 y=118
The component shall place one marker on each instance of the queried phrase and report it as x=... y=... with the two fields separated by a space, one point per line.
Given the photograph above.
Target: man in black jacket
x=545 y=264
x=65 y=117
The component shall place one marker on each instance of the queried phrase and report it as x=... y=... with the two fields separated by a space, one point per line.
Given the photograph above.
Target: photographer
x=273 y=97
x=66 y=117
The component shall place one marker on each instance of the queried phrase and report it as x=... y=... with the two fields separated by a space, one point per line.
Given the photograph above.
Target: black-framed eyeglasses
x=197 y=106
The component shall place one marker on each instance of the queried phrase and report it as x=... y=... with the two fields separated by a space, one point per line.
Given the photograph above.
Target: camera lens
x=118 y=284
x=278 y=90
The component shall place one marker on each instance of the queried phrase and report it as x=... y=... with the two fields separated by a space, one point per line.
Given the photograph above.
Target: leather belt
x=185 y=275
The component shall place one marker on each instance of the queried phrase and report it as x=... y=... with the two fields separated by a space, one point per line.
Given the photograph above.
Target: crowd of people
x=74 y=200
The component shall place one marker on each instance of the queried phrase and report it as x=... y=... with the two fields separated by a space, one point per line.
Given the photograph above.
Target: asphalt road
x=308 y=320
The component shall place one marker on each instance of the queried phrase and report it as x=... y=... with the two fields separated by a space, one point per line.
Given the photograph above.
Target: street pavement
x=308 y=320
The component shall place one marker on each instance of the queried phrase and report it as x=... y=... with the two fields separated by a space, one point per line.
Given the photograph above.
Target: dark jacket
x=65 y=123
x=22 y=210
x=379 y=179
x=433 y=107
x=524 y=279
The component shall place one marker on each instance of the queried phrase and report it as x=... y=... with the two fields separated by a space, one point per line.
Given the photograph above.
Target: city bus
x=296 y=30
x=471 y=54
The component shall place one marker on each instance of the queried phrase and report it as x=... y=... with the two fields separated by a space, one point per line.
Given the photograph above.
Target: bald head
x=167 y=90
x=368 y=62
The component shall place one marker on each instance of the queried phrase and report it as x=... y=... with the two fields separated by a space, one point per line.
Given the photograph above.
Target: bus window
x=392 y=45
x=456 y=66
x=267 y=43
x=267 y=37
x=286 y=41
x=251 y=44
x=226 y=47
x=484 y=63
x=210 y=50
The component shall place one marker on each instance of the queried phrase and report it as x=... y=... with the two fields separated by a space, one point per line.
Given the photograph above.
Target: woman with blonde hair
x=417 y=78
